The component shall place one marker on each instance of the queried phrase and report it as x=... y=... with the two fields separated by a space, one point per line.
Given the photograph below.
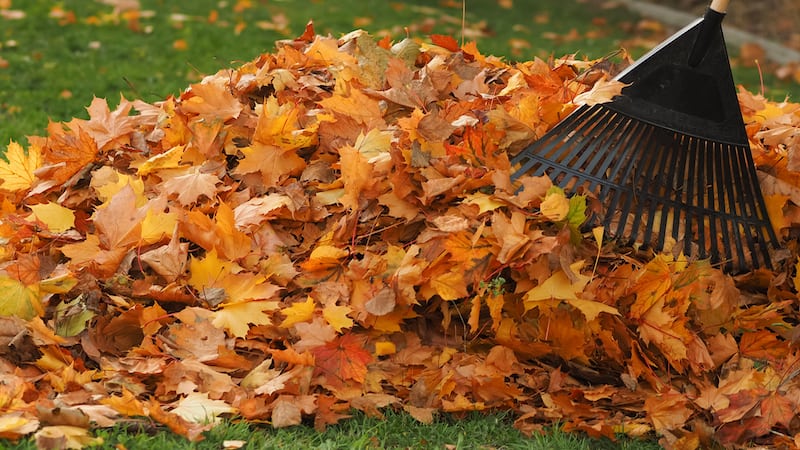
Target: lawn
x=55 y=56
x=475 y=431
x=96 y=49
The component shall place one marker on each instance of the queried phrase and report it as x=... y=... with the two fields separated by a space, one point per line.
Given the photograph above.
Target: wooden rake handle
x=720 y=6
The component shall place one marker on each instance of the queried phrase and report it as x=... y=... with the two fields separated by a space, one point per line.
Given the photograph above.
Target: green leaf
x=576 y=215
x=72 y=317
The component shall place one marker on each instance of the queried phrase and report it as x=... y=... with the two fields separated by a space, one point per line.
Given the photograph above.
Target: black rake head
x=669 y=159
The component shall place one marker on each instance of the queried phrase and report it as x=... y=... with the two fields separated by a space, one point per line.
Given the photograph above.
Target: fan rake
x=668 y=159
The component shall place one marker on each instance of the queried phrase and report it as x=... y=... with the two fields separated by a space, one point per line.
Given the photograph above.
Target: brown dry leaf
x=668 y=410
x=119 y=223
x=169 y=260
x=110 y=128
x=192 y=186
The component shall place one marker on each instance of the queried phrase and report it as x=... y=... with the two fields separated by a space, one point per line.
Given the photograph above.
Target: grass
x=61 y=54
x=475 y=431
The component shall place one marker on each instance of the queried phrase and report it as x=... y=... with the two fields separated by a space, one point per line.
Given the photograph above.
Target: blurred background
x=777 y=20
x=56 y=55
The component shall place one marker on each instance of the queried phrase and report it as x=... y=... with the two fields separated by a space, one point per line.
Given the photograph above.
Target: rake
x=669 y=158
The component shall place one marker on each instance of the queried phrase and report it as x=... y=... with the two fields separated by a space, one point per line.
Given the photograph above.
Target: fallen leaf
x=342 y=360
x=18 y=300
x=19 y=172
x=603 y=91
x=57 y=218
x=198 y=408
x=298 y=312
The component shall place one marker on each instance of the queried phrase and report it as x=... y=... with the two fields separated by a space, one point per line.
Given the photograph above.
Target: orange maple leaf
x=109 y=128
x=101 y=262
x=212 y=99
x=65 y=152
x=342 y=360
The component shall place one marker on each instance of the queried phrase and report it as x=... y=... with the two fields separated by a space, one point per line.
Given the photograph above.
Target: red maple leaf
x=342 y=360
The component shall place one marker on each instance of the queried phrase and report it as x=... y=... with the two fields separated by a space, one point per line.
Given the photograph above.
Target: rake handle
x=719 y=6
x=712 y=20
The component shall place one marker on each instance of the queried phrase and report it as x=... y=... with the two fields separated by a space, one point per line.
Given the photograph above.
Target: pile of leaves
x=333 y=226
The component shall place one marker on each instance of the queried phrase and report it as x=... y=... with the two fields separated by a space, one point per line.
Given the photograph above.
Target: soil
x=776 y=20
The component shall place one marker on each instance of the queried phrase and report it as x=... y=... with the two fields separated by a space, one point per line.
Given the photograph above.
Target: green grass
x=52 y=66
x=398 y=430
x=61 y=54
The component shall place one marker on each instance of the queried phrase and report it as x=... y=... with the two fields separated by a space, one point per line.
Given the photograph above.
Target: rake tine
x=711 y=196
x=598 y=141
x=581 y=144
x=602 y=161
x=754 y=213
x=733 y=208
x=766 y=233
x=679 y=186
x=697 y=183
x=641 y=132
x=661 y=185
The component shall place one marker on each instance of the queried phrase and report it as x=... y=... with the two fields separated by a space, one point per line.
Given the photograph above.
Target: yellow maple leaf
x=57 y=218
x=208 y=271
x=558 y=286
x=591 y=309
x=484 y=202
x=279 y=125
x=326 y=51
x=324 y=256
x=17 y=173
x=237 y=317
x=450 y=285
x=775 y=204
x=59 y=284
x=213 y=273
x=231 y=242
x=374 y=145
x=14 y=426
x=357 y=176
x=337 y=316
x=107 y=182
x=18 y=300
x=298 y=312
x=126 y=403
x=171 y=159
x=158 y=225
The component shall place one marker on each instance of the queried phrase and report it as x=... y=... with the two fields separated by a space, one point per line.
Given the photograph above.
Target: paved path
x=734 y=36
